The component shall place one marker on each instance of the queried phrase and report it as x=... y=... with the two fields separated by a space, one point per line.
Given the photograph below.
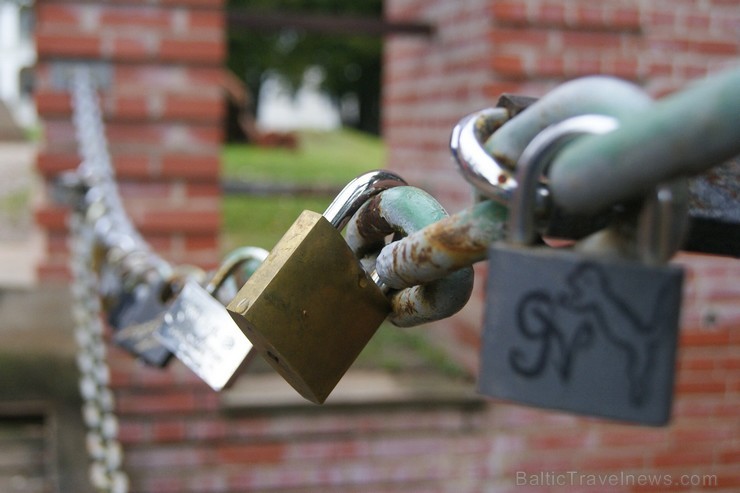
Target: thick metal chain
x=681 y=135
x=104 y=449
x=96 y=168
x=401 y=211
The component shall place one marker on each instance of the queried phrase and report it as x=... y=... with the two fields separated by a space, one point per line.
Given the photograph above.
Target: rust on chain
x=446 y=236
x=371 y=225
x=442 y=247
x=457 y=239
x=407 y=307
x=453 y=237
x=401 y=211
x=423 y=303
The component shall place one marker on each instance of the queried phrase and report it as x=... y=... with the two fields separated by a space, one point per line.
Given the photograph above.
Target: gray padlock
x=139 y=313
x=201 y=333
x=134 y=320
x=589 y=332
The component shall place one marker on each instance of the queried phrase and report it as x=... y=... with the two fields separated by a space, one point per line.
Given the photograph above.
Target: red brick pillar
x=161 y=66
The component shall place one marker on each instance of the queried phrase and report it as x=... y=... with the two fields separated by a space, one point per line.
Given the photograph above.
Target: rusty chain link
x=401 y=211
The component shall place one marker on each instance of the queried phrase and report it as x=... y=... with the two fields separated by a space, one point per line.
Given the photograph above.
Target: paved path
x=21 y=243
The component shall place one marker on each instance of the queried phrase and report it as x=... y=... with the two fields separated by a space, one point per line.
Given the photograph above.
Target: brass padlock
x=311 y=308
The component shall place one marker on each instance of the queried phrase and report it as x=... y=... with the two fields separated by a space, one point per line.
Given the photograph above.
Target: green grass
x=15 y=215
x=262 y=221
x=397 y=350
x=321 y=157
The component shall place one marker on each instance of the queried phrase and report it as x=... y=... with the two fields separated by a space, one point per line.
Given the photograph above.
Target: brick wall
x=485 y=47
x=179 y=437
x=162 y=104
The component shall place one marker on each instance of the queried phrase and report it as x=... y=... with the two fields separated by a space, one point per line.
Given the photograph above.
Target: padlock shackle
x=478 y=167
x=357 y=192
x=533 y=164
x=231 y=263
x=487 y=144
x=662 y=221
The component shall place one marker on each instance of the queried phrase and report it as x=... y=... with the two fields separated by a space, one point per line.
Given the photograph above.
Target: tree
x=351 y=64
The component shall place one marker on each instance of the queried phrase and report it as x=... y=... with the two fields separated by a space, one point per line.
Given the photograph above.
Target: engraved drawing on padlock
x=596 y=309
x=201 y=333
x=310 y=308
x=589 y=331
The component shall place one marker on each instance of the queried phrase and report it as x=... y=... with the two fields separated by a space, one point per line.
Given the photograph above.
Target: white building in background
x=308 y=109
x=17 y=57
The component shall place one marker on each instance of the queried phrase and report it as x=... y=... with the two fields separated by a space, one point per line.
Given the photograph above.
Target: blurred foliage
x=351 y=65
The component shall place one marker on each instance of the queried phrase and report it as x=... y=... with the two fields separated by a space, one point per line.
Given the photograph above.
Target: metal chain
x=105 y=451
x=681 y=135
x=401 y=211
x=96 y=168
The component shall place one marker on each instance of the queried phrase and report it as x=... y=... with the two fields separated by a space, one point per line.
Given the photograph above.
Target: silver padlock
x=134 y=319
x=592 y=331
x=140 y=314
x=199 y=331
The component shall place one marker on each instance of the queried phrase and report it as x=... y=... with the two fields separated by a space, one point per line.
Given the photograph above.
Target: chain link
x=106 y=472
x=400 y=211
x=680 y=135
x=104 y=206
x=103 y=447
